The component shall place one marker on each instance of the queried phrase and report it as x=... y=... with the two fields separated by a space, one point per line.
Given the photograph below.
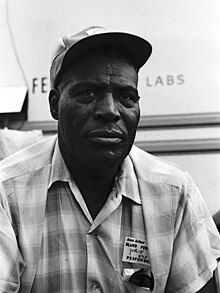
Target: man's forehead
x=109 y=70
x=102 y=78
x=104 y=63
x=113 y=68
x=108 y=53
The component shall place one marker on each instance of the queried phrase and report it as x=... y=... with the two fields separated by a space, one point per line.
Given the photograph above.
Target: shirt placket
x=95 y=283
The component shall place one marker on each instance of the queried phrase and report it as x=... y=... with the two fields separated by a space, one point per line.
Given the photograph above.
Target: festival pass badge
x=136 y=251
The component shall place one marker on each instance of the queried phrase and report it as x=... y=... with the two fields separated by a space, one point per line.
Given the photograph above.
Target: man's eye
x=87 y=93
x=128 y=99
x=85 y=96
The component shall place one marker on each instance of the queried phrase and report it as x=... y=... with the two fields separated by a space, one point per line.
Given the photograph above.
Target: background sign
x=182 y=76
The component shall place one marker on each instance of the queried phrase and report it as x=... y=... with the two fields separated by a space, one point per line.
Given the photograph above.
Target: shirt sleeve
x=197 y=243
x=11 y=261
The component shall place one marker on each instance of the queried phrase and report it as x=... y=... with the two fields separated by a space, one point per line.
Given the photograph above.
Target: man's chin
x=105 y=160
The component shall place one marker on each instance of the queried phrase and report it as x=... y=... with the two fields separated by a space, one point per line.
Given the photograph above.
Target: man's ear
x=54 y=97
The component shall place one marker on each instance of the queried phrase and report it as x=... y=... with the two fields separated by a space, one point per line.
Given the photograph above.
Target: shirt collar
x=126 y=182
x=59 y=170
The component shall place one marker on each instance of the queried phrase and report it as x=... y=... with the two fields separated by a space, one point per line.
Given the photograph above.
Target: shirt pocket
x=132 y=288
x=124 y=286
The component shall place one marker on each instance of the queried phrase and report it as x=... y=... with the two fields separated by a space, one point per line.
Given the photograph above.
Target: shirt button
x=94 y=287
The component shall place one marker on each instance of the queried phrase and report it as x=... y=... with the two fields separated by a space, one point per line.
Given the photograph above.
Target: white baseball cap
x=93 y=37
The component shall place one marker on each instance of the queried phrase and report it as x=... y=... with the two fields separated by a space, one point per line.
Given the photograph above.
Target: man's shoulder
x=156 y=170
x=27 y=160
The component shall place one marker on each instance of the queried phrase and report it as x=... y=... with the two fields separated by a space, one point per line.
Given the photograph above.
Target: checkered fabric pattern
x=49 y=242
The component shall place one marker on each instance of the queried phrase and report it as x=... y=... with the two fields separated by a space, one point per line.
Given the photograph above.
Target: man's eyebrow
x=125 y=87
x=103 y=85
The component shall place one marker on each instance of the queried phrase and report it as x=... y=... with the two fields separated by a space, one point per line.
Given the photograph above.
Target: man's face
x=98 y=111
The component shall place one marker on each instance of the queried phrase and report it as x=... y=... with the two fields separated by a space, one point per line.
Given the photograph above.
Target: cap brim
x=138 y=48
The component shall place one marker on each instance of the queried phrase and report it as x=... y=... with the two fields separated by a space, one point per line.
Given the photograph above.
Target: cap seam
x=59 y=53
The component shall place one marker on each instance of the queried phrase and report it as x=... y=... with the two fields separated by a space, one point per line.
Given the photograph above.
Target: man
x=89 y=212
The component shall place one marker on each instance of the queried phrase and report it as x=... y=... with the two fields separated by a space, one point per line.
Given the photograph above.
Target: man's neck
x=94 y=185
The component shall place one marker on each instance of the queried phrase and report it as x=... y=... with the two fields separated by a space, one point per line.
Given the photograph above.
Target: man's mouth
x=106 y=136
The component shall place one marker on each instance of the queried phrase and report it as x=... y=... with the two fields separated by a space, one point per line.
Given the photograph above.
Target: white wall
x=182 y=75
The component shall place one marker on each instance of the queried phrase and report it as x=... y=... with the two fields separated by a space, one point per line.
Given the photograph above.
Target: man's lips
x=106 y=136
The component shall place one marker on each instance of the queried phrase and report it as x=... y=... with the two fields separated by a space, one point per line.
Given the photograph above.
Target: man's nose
x=107 y=108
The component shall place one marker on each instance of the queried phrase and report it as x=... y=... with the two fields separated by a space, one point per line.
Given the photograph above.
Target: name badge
x=136 y=251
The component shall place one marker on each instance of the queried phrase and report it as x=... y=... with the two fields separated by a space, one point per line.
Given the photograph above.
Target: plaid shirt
x=49 y=242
